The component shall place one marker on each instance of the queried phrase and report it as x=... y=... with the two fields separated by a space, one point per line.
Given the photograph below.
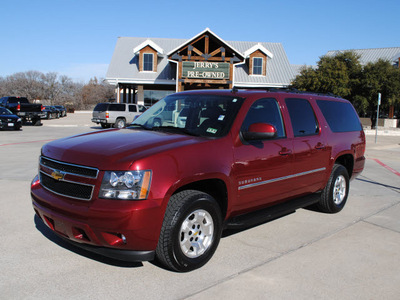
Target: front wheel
x=190 y=232
x=334 y=195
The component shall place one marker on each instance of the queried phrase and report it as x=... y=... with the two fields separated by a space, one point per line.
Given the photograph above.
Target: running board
x=267 y=214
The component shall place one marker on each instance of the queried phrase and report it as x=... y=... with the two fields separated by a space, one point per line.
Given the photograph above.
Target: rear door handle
x=320 y=146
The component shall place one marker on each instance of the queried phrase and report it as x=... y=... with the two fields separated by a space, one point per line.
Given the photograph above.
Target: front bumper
x=118 y=254
x=124 y=230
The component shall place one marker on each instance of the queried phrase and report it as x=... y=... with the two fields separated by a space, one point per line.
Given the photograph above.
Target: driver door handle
x=285 y=151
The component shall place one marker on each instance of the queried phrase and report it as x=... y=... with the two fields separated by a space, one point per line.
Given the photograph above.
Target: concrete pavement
x=351 y=255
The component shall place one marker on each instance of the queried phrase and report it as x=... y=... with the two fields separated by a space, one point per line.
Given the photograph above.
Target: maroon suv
x=194 y=164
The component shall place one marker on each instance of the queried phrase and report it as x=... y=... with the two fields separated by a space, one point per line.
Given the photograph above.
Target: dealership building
x=144 y=70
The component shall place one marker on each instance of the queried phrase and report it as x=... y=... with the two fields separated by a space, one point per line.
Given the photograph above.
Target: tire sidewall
x=182 y=262
x=120 y=121
x=338 y=171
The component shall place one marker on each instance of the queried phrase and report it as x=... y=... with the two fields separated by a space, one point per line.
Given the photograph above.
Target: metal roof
x=372 y=55
x=124 y=64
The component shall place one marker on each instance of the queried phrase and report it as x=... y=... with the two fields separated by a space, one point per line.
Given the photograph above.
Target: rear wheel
x=191 y=231
x=120 y=123
x=36 y=122
x=334 y=195
x=105 y=125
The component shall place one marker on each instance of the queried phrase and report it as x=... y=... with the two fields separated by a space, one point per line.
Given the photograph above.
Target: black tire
x=181 y=249
x=36 y=122
x=336 y=191
x=120 y=123
x=105 y=125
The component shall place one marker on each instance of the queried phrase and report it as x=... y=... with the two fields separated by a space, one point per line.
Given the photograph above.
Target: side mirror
x=260 y=131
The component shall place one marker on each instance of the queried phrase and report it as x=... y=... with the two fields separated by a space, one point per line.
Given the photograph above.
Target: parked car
x=50 y=112
x=167 y=191
x=8 y=120
x=21 y=107
x=116 y=114
x=62 y=110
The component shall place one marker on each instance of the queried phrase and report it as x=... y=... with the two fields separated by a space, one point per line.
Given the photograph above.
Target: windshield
x=5 y=111
x=199 y=115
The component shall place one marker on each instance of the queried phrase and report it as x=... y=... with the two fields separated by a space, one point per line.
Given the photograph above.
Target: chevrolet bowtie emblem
x=57 y=175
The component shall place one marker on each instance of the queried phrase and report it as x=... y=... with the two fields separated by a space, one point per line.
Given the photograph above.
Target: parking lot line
x=39 y=141
x=386 y=167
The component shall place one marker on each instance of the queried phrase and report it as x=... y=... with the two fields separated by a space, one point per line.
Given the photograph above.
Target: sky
x=77 y=37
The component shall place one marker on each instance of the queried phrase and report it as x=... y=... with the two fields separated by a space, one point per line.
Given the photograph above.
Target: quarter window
x=257 y=66
x=302 y=116
x=341 y=116
x=148 y=62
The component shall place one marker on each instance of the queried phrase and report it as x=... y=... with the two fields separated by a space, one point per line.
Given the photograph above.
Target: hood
x=114 y=149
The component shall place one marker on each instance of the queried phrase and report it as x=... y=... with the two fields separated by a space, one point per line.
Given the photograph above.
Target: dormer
x=257 y=59
x=148 y=52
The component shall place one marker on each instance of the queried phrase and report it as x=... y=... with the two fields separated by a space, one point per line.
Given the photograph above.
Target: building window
x=153 y=96
x=148 y=62
x=257 y=66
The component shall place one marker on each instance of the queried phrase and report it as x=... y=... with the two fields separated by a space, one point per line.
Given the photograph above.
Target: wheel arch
x=214 y=187
x=346 y=160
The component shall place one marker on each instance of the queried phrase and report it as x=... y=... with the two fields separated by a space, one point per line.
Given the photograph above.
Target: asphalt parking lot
x=306 y=255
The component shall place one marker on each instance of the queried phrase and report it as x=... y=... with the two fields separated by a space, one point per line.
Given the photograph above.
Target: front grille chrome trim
x=71 y=165
x=73 y=189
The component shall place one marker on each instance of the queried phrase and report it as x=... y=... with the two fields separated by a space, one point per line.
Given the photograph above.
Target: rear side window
x=101 y=107
x=341 y=116
x=132 y=108
x=117 y=107
x=302 y=116
x=17 y=100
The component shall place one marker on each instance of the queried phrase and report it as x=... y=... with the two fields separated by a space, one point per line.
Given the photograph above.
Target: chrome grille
x=69 y=168
x=72 y=188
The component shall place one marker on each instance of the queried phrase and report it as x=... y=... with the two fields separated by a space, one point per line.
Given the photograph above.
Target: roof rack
x=296 y=91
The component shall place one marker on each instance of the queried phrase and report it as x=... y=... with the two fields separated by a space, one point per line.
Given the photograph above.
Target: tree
x=334 y=74
x=96 y=91
x=381 y=77
x=343 y=75
x=51 y=87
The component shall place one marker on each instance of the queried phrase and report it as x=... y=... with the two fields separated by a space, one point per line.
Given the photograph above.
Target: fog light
x=114 y=239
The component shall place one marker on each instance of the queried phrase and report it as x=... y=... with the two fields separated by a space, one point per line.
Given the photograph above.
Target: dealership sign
x=205 y=70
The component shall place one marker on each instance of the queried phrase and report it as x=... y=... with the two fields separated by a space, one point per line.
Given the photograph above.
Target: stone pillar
x=140 y=95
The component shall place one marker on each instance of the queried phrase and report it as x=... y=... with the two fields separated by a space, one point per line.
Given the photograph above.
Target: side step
x=271 y=213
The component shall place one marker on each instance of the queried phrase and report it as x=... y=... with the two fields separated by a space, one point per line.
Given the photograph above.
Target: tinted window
x=101 y=107
x=132 y=108
x=117 y=107
x=340 y=116
x=302 y=116
x=265 y=111
x=17 y=100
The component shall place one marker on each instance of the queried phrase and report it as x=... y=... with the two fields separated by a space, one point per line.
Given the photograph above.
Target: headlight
x=125 y=185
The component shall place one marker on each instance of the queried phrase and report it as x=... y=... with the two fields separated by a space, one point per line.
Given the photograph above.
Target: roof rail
x=296 y=91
